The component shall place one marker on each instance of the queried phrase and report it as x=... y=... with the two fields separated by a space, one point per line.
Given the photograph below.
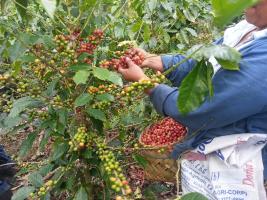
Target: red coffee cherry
x=165 y=132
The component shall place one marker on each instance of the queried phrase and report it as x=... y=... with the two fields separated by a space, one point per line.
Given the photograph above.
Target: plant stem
x=168 y=71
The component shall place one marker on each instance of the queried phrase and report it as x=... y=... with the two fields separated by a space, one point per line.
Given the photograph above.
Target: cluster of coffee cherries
x=81 y=140
x=37 y=113
x=88 y=46
x=3 y=79
x=39 y=68
x=166 y=132
x=101 y=105
x=132 y=54
x=112 y=168
x=22 y=86
x=101 y=89
x=57 y=102
x=35 y=91
x=138 y=87
x=64 y=47
x=7 y=107
x=43 y=190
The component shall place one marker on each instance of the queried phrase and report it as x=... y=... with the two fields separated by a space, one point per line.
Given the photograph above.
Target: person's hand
x=151 y=60
x=133 y=72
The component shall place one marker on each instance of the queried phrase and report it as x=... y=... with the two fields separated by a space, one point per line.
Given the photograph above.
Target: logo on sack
x=249 y=170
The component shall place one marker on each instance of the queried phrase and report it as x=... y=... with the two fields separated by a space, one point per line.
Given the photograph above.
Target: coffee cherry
x=135 y=56
x=119 y=198
x=93 y=41
x=57 y=102
x=81 y=140
x=112 y=168
x=165 y=132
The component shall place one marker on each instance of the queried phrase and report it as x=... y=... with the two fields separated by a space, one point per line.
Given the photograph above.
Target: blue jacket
x=239 y=104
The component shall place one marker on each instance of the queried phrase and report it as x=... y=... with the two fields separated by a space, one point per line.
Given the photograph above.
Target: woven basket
x=160 y=166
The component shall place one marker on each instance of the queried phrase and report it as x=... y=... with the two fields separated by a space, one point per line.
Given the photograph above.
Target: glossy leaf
x=226 y=10
x=106 y=75
x=81 y=77
x=23 y=193
x=140 y=160
x=21 y=104
x=50 y=7
x=81 y=194
x=193 y=89
x=79 y=67
x=227 y=64
x=194 y=196
x=97 y=114
x=83 y=99
x=22 y=7
x=27 y=144
x=105 y=97
x=58 y=150
x=36 y=179
x=228 y=57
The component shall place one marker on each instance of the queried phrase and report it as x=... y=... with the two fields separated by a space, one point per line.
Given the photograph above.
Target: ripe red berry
x=165 y=132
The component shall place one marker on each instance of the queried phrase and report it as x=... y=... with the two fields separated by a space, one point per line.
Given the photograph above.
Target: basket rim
x=165 y=145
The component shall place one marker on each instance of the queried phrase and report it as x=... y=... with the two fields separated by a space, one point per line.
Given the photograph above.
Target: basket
x=160 y=166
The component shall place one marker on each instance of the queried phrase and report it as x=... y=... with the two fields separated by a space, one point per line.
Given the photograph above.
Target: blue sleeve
x=237 y=95
x=179 y=73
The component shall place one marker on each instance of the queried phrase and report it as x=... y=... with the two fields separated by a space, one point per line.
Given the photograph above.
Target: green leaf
x=28 y=38
x=140 y=160
x=220 y=52
x=81 y=194
x=226 y=10
x=16 y=50
x=27 y=144
x=36 y=179
x=194 y=196
x=11 y=122
x=193 y=89
x=21 y=6
x=27 y=58
x=50 y=91
x=23 y=193
x=106 y=75
x=50 y=7
x=97 y=114
x=63 y=116
x=59 y=149
x=44 y=170
x=149 y=194
x=209 y=76
x=81 y=77
x=152 y=4
x=87 y=154
x=83 y=99
x=191 y=31
x=21 y=104
x=85 y=5
x=137 y=26
x=45 y=140
x=146 y=32
x=16 y=67
x=79 y=67
x=105 y=97
x=227 y=64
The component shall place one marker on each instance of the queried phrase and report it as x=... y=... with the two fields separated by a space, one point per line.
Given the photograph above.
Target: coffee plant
x=58 y=75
